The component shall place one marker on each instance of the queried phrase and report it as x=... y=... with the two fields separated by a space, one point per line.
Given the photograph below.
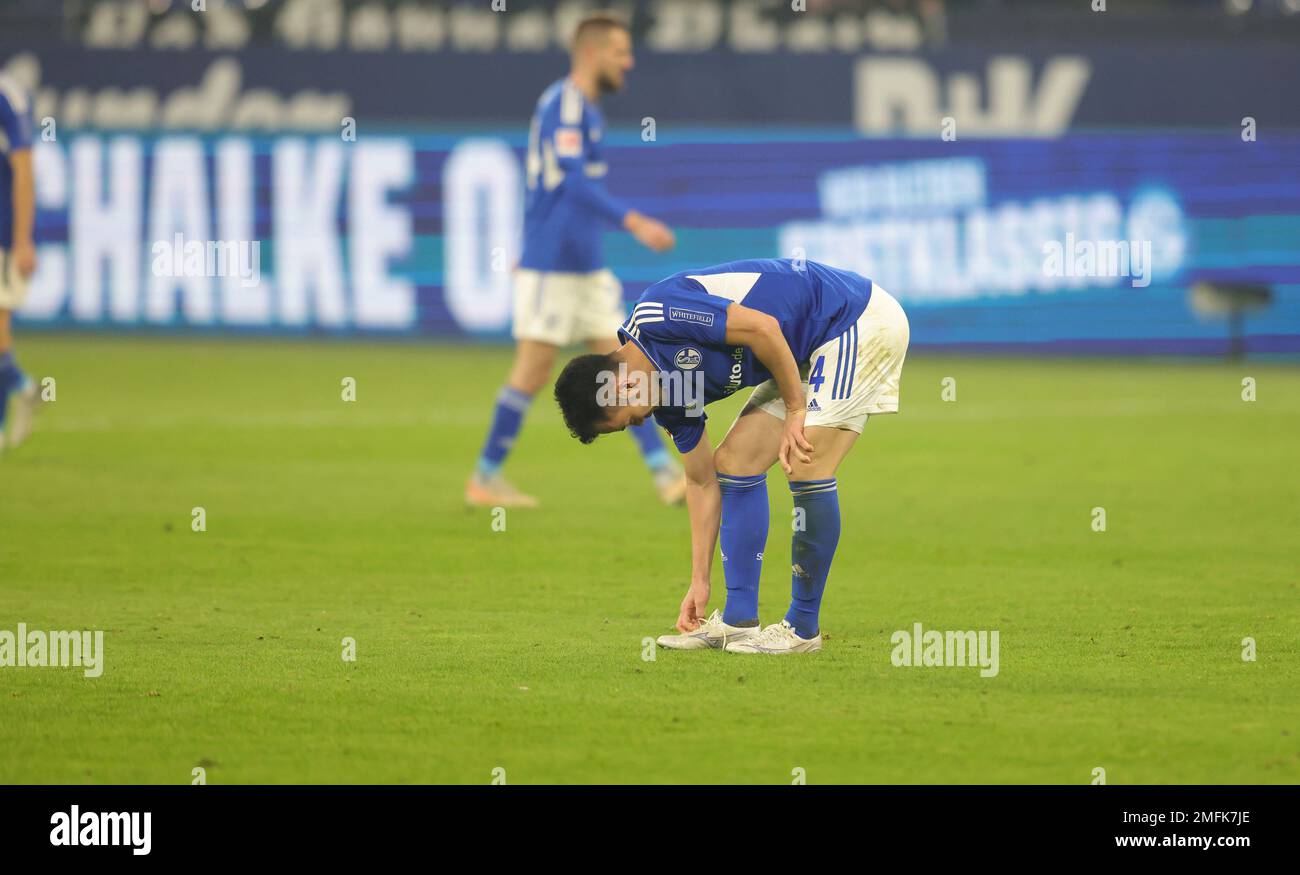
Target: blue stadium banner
x=1083 y=241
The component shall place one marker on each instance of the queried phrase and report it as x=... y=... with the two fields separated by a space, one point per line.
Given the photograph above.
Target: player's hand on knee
x=793 y=442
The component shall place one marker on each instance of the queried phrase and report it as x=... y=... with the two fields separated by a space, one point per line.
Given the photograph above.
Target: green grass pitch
x=522 y=649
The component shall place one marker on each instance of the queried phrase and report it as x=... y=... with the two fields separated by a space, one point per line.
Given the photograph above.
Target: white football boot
x=777 y=638
x=713 y=634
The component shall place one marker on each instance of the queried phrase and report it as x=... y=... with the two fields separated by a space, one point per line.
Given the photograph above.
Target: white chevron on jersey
x=643 y=314
x=732 y=286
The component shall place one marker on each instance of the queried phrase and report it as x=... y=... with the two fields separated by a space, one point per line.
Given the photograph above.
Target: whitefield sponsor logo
x=56 y=649
x=179 y=257
x=676 y=314
x=97 y=828
x=1101 y=258
x=933 y=648
x=661 y=389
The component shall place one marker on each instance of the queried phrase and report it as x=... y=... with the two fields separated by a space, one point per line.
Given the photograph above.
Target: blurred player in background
x=17 y=253
x=563 y=292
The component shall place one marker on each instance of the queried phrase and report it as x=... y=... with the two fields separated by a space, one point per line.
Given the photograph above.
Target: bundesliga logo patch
x=568 y=142
x=678 y=315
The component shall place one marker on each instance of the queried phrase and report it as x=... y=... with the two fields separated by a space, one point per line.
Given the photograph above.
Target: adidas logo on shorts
x=812 y=405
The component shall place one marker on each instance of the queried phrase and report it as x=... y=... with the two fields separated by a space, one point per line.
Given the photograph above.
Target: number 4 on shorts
x=816 y=378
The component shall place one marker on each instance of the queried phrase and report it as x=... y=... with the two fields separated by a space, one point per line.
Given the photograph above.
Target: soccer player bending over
x=17 y=253
x=825 y=349
x=562 y=291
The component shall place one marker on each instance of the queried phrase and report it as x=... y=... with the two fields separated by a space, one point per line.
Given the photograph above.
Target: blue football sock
x=743 y=535
x=11 y=379
x=506 y=421
x=652 y=448
x=817 y=532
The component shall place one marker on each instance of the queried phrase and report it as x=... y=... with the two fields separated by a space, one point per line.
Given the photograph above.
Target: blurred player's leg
x=10 y=375
x=17 y=251
x=531 y=370
x=15 y=386
x=545 y=313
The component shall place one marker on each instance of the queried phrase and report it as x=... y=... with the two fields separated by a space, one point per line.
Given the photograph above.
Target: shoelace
x=712 y=623
x=775 y=633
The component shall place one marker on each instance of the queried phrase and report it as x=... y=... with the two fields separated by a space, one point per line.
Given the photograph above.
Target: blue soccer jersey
x=680 y=323
x=15 y=134
x=567 y=207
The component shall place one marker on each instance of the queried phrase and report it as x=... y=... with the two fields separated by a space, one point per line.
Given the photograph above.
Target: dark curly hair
x=575 y=392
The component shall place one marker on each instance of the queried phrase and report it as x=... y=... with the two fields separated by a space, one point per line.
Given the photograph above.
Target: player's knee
x=728 y=460
x=824 y=462
x=814 y=470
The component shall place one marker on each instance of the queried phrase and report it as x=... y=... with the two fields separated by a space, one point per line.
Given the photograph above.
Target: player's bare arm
x=650 y=233
x=704 y=506
x=24 y=250
x=762 y=334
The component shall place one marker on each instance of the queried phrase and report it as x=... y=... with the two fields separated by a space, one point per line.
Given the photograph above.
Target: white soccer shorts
x=565 y=308
x=13 y=285
x=852 y=376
